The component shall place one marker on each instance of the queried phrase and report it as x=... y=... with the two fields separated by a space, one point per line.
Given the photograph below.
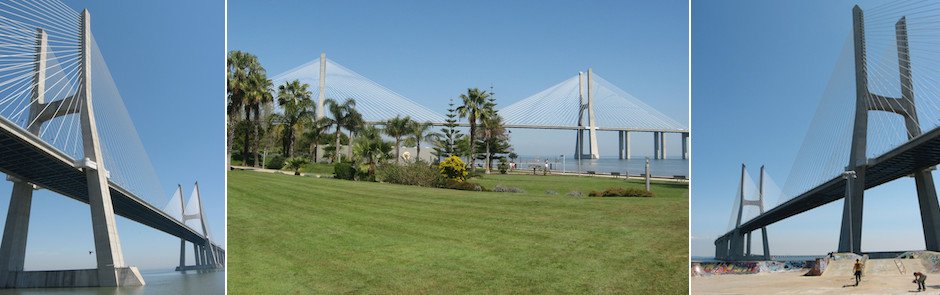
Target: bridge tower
x=592 y=123
x=738 y=245
x=206 y=255
x=851 y=234
x=322 y=96
x=111 y=270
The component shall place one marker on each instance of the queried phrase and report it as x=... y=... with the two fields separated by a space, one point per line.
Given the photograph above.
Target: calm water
x=158 y=282
x=666 y=167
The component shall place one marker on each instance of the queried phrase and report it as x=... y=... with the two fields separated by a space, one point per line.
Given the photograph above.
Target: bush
x=453 y=169
x=417 y=173
x=575 y=194
x=295 y=163
x=343 y=170
x=622 y=192
x=275 y=162
x=551 y=193
x=463 y=185
x=507 y=189
x=503 y=166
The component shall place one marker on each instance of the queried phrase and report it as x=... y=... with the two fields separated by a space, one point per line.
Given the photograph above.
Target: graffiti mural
x=753 y=267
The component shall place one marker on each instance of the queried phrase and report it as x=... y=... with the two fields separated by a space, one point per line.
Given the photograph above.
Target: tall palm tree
x=397 y=128
x=240 y=66
x=258 y=93
x=353 y=123
x=474 y=105
x=294 y=99
x=420 y=131
x=340 y=117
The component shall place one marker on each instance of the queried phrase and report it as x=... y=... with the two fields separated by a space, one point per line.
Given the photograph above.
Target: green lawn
x=306 y=235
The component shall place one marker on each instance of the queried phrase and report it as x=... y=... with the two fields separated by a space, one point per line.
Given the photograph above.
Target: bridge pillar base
x=126 y=276
x=929 y=209
x=16 y=229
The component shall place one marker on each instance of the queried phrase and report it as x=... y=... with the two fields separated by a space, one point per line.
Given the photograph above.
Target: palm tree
x=370 y=148
x=294 y=99
x=294 y=164
x=474 y=105
x=340 y=117
x=257 y=94
x=397 y=128
x=314 y=133
x=353 y=123
x=240 y=66
x=420 y=131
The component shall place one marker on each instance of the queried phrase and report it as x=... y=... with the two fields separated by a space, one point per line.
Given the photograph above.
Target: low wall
x=747 y=267
x=127 y=276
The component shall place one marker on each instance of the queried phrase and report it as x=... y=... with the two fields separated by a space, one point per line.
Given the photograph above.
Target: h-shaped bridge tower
x=111 y=270
x=737 y=246
x=850 y=238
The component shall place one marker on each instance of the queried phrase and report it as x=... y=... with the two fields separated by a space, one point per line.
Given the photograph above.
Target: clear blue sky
x=431 y=51
x=167 y=59
x=759 y=69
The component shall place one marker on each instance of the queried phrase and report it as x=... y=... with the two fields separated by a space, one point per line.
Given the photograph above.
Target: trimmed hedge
x=344 y=170
x=622 y=192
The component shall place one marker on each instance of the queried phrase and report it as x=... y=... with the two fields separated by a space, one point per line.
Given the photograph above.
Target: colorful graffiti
x=818 y=267
x=732 y=268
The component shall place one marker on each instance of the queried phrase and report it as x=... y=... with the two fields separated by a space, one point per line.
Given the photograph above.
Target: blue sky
x=759 y=69
x=431 y=51
x=167 y=59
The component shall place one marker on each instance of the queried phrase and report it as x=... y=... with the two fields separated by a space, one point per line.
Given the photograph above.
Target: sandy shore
x=796 y=283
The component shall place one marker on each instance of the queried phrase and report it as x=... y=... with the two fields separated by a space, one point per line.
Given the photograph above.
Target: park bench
x=679 y=177
x=615 y=174
x=591 y=172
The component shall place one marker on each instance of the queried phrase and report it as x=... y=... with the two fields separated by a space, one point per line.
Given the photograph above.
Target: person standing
x=919 y=279
x=858 y=271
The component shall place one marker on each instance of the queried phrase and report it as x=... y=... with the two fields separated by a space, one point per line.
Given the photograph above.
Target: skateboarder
x=858 y=271
x=919 y=279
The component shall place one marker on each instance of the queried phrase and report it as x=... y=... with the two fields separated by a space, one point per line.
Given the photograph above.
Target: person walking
x=919 y=279
x=858 y=271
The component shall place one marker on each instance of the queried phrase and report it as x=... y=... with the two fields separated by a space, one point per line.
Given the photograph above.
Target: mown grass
x=308 y=235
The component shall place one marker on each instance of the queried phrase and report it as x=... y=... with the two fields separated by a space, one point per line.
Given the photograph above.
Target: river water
x=164 y=281
x=664 y=167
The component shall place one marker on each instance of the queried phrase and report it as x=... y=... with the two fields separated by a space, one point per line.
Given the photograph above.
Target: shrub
x=622 y=192
x=417 y=173
x=453 y=168
x=507 y=189
x=576 y=194
x=295 y=163
x=275 y=162
x=503 y=165
x=463 y=185
x=551 y=193
x=343 y=170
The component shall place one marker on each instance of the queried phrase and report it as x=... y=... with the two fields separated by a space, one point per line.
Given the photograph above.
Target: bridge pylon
x=592 y=152
x=111 y=269
x=851 y=234
x=206 y=255
x=737 y=245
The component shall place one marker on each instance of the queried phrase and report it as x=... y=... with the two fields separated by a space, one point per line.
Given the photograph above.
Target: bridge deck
x=24 y=156
x=917 y=154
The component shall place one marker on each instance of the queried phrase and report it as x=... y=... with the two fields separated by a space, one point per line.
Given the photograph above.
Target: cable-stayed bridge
x=585 y=103
x=878 y=121
x=64 y=128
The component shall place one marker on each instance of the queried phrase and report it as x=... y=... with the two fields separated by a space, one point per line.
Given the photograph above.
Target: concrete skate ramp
x=839 y=268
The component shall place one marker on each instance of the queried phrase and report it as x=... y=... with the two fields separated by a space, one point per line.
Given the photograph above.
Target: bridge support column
x=685 y=146
x=15 y=231
x=620 y=145
x=182 y=255
x=662 y=145
x=766 y=244
x=747 y=252
x=655 y=145
x=929 y=209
